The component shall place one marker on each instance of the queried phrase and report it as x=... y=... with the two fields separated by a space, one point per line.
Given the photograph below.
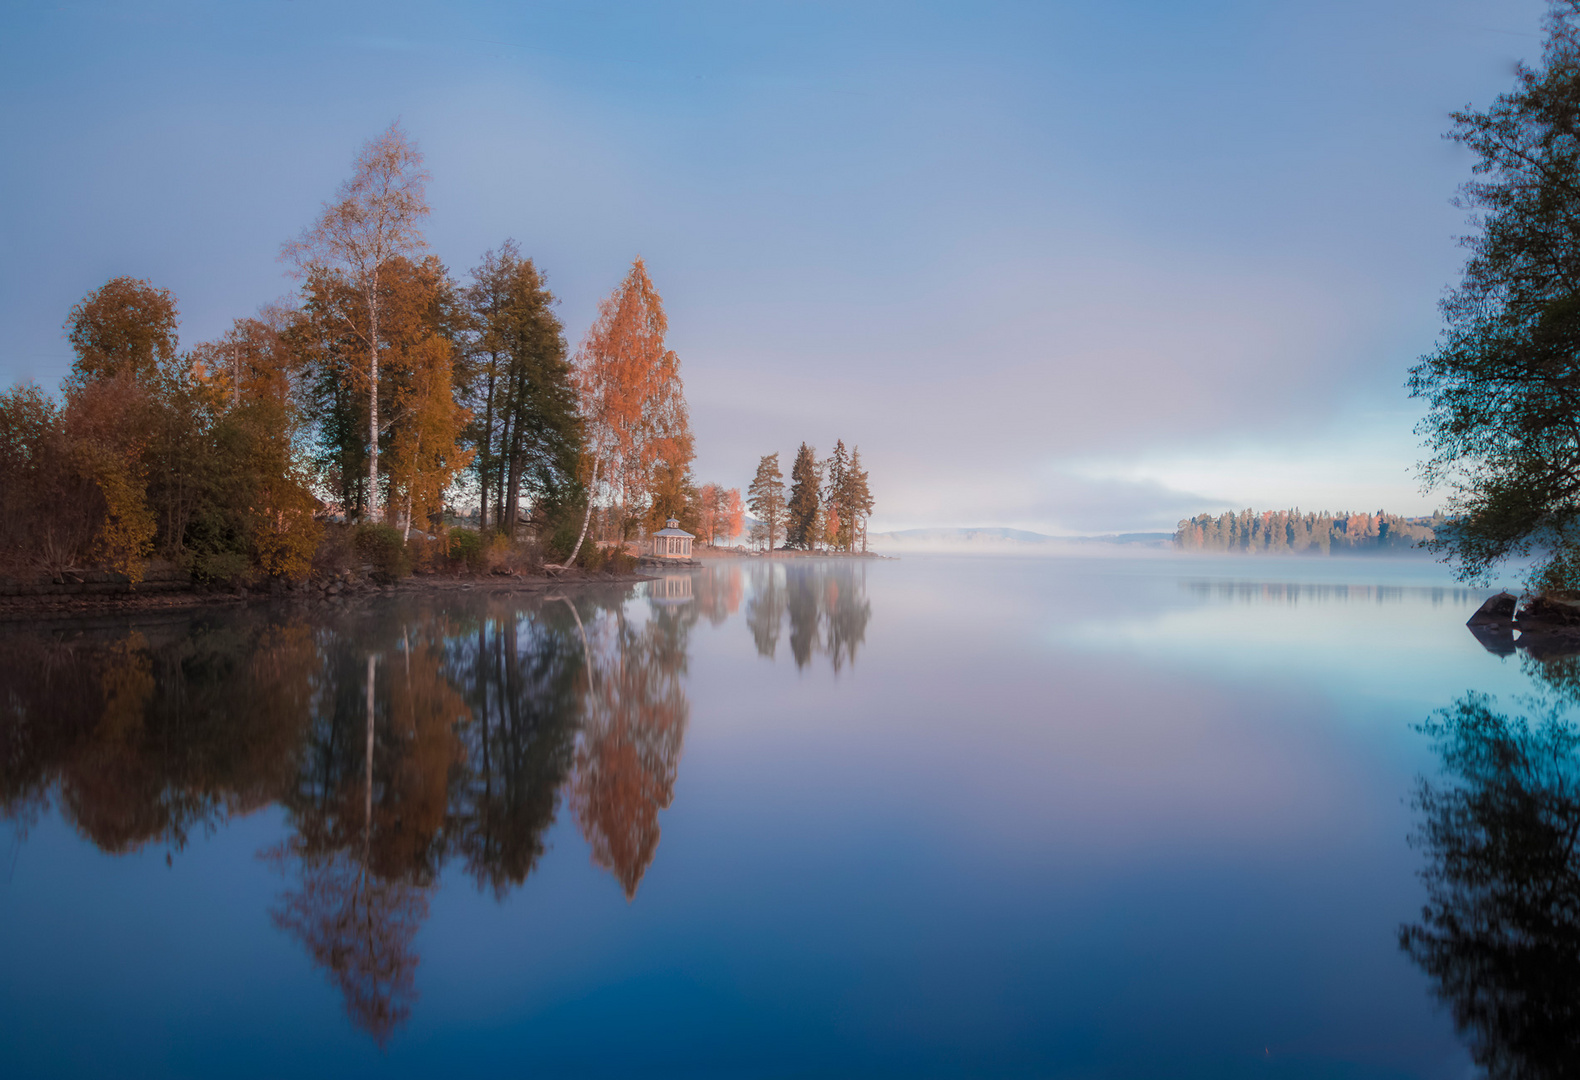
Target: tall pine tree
x=766 y=497
x=801 y=513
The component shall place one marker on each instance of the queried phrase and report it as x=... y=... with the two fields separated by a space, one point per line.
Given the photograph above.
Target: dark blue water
x=938 y=817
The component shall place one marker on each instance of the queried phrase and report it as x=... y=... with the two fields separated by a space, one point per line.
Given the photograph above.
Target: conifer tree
x=518 y=383
x=834 y=469
x=801 y=513
x=856 y=501
x=766 y=497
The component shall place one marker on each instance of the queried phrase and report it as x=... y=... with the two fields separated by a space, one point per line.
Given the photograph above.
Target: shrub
x=336 y=552
x=223 y=568
x=591 y=557
x=382 y=546
x=619 y=561
x=468 y=549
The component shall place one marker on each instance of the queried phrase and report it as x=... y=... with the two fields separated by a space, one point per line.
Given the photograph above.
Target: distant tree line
x=385 y=393
x=828 y=504
x=1290 y=531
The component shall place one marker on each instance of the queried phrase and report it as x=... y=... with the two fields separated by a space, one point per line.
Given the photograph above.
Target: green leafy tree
x=1503 y=386
x=801 y=513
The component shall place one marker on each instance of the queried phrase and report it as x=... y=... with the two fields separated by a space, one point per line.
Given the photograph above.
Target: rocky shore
x=1548 y=627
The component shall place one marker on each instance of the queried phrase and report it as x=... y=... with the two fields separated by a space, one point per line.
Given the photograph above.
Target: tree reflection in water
x=397 y=737
x=826 y=604
x=1500 y=934
x=368 y=814
x=633 y=727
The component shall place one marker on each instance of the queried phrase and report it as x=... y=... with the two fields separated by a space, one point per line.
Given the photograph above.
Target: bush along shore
x=350 y=561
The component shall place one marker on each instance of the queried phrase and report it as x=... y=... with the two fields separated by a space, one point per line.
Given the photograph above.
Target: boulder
x=1498 y=609
x=1545 y=613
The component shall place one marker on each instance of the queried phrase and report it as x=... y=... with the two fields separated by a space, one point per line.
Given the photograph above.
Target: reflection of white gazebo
x=672 y=542
x=670 y=589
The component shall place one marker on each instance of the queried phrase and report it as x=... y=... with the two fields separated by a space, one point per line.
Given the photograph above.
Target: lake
x=944 y=816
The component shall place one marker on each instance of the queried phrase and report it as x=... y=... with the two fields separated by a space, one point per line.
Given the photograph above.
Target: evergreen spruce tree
x=856 y=501
x=834 y=474
x=801 y=514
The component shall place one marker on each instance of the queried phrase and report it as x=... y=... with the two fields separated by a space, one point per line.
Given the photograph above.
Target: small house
x=672 y=542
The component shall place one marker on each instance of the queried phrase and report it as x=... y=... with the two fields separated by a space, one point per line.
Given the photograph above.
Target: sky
x=1074 y=267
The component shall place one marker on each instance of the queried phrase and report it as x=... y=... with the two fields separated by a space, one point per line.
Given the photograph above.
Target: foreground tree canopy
x=1503 y=386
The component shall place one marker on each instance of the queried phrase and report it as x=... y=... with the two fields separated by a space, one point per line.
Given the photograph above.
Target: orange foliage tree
x=633 y=404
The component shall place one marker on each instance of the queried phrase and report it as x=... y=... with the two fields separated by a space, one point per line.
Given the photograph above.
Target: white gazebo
x=672 y=542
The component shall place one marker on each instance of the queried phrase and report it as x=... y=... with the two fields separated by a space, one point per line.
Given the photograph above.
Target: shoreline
x=122 y=599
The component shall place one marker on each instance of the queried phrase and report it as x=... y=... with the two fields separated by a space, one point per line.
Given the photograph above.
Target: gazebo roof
x=672 y=528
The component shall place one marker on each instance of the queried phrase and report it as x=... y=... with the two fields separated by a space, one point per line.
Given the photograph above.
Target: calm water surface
x=938 y=817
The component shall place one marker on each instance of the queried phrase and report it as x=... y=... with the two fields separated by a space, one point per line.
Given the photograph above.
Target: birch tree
x=633 y=404
x=375 y=216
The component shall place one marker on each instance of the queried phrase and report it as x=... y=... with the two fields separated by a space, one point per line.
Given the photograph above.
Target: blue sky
x=1072 y=267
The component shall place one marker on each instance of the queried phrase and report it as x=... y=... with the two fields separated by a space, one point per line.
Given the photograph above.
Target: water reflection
x=1293 y=593
x=824 y=603
x=1500 y=933
x=398 y=737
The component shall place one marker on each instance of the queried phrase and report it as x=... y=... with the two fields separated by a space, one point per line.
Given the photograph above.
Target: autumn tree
x=420 y=319
x=425 y=423
x=734 y=515
x=374 y=218
x=127 y=326
x=49 y=510
x=525 y=427
x=710 y=506
x=766 y=497
x=719 y=513
x=801 y=512
x=232 y=489
x=124 y=335
x=633 y=404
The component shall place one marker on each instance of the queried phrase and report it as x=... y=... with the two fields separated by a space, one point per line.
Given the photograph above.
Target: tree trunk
x=586 y=516
x=373 y=397
x=499 y=472
x=367 y=819
x=487 y=447
x=411 y=481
